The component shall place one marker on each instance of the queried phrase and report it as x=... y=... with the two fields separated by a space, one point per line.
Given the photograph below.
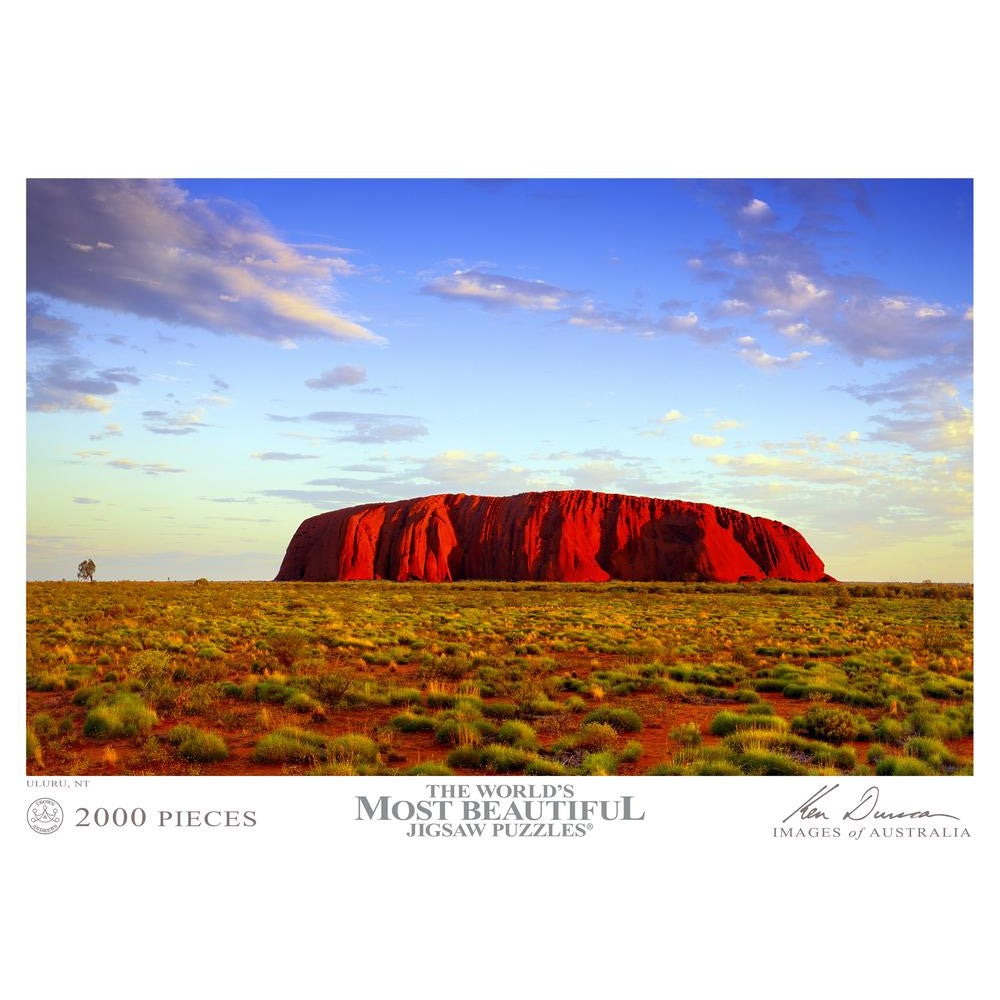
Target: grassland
x=477 y=678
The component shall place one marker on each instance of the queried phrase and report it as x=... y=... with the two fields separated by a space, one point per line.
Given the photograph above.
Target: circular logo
x=45 y=815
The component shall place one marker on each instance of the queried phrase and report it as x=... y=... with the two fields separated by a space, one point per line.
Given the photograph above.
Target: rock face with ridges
x=565 y=535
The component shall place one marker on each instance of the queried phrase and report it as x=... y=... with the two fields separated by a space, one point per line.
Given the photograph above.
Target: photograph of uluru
x=497 y=476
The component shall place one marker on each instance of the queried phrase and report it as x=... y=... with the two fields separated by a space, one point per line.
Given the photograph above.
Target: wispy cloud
x=146 y=248
x=280 y=456
x=497 y=291
x=180 y=423
x=669 y=322
x=336 y=378
x=807 y=469
x=150 y=468
x=364 y=428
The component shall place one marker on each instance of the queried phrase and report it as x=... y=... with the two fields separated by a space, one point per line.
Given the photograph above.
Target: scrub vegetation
x=483 y=678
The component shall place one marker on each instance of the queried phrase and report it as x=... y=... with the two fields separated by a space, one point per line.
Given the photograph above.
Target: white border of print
x=700 y=894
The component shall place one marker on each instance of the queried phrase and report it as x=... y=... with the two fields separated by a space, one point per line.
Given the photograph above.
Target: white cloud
x=707 y=440
x=735 y=307
x=761 y=359
x=756 y=210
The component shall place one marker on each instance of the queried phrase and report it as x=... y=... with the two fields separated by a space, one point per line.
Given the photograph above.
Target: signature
x=863 y=810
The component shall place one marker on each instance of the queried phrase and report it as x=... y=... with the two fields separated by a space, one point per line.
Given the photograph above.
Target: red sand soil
x=405 y=750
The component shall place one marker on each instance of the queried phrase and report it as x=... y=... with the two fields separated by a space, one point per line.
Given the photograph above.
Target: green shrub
x=503 y=759
x=728 y=722
x=300 y=701
x=468 y=757
x=600 y=763
x=594 y=736
x=630 y=753
x=687 y=734
x=271 y=691
x=440 y=699
x=834 y=725
x=201 y=698
x=203 y=747
x=499 y=709
x=33 y=747
x=333 y=686
x=408 y=722
x=767 y=762
x=150 y=667
x=290 y=745
x=902 y=766
x=354 y=749
x=44 y=725
x=123 y=715
x=287 y=646
x=931 y=751
x=179 y=734
x=47 y=680
x=446 y=730
x=715 y=767
x=543 y=706
x=518 y=734
x=163 y=695
x=889 y=731
x=623 y=720
x=543 y=766
x=403 y=696
x=431 y=769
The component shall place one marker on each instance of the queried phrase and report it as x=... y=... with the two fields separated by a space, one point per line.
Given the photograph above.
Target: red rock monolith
x=563 y=535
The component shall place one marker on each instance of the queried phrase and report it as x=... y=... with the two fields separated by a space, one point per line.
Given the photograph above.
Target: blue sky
x=210 y=362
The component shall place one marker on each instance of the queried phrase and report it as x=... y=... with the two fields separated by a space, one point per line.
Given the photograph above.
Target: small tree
x=85 y=571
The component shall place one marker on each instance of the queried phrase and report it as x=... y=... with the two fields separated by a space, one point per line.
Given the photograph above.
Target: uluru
x=561 y=535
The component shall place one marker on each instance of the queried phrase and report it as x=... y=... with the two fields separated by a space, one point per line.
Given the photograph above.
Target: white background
x=697 y=898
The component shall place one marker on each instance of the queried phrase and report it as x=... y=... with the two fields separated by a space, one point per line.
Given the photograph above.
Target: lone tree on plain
x=85 y=571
